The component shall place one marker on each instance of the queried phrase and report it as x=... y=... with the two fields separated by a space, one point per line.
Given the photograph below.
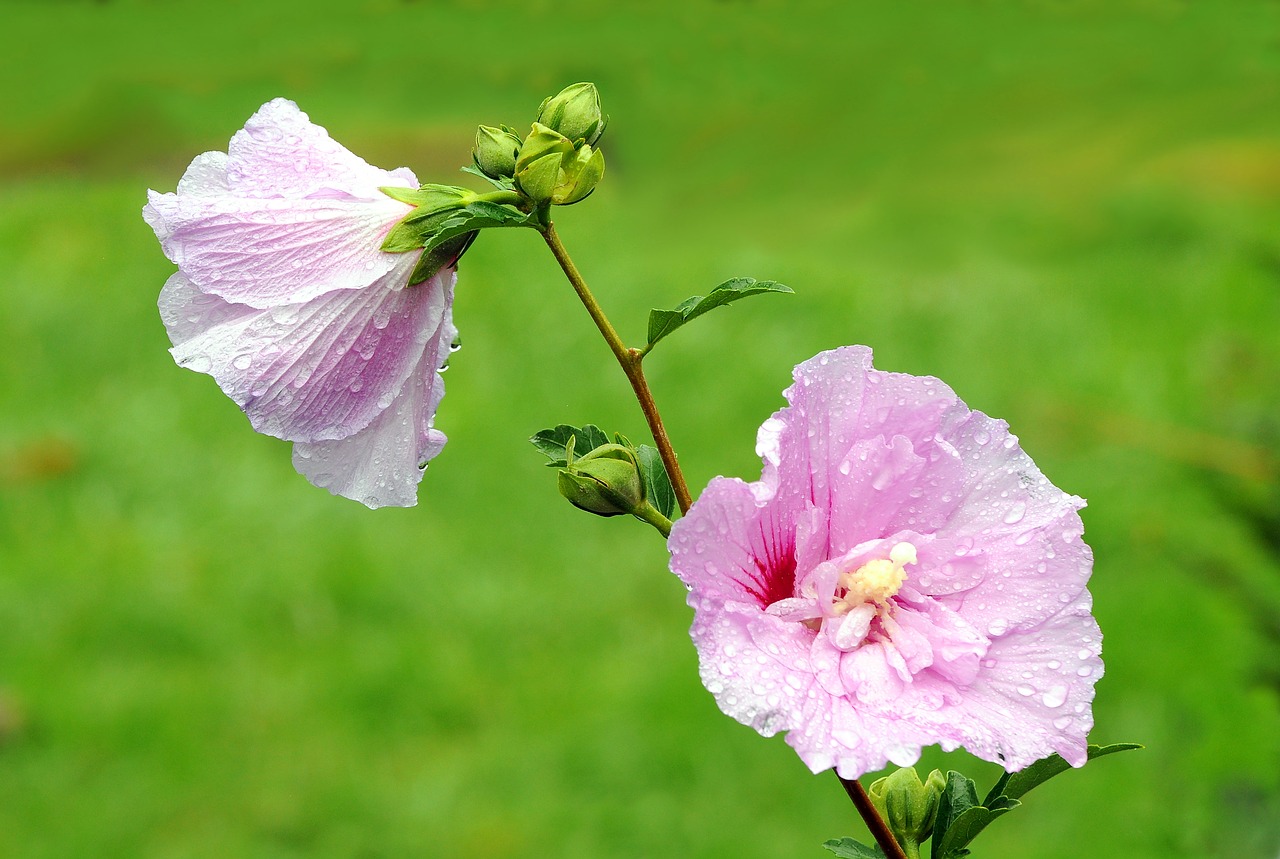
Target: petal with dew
x=382 y=465
x=267 y=252
x=280 y=152
x=317 y=371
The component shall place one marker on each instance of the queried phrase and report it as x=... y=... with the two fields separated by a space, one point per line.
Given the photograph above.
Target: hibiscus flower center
x=875 y=581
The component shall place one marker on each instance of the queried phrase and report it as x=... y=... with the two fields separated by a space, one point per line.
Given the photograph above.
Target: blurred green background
x=1070 y=211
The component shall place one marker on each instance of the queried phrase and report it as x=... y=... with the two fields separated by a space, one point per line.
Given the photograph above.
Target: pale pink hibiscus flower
x=285 y=298
x=901 y=575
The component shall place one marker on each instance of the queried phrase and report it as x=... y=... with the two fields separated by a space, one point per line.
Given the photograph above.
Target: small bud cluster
x=556 y=163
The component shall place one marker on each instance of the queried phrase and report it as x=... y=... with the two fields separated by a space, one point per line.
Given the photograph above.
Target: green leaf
x=847 y=848
x=552 y=442
x=502 y=184
x=960 y=795
x=962 y=829
x=1017 y=784
x=443 y=228
x=663 y=322
x=657 y=484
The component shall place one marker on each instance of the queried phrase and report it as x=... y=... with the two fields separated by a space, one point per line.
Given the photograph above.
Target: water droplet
x=1015 y=514
x=1084 y=670
x=1062 y=722
x=1055 y=697
x=1083 y=654
x=999 y=626
x=1054 y=664
x=242 y=361
x=1026 y=690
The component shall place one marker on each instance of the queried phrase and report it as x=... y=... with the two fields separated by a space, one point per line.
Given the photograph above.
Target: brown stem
x=630 y=361
x=879 y=830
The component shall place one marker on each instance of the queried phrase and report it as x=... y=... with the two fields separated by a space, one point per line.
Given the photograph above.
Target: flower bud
x=579 y=175
x=606 y=481
x=575 y=113
x=907 y=805
x=550 y=169
x=538 y=162
x=495 y=151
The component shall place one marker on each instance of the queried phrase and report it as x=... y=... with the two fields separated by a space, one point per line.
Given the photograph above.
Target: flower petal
x=266 y=252
x=280 y=152
x=1033 y=695
x=382 y=464
x=316 y=371
x=761 y=686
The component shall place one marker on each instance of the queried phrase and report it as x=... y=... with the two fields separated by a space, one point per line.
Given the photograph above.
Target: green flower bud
x=538 y=162
x=907 y=805
x=495 y=151
x=550 y=169
x=606 y=481
x=579 y=175
x=575 y=113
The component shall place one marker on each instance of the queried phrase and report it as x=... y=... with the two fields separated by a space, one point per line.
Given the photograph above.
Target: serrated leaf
x=552 y=442
x=1017 y=784
x=664 y=322
x=959 y=795
x=961 y=830
x=848 y=848
x=657 y=483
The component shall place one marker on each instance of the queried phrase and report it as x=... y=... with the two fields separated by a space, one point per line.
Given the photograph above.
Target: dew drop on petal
x=1055 y=697
x=1062 y=722
x=242 y=361
x=1026 y=691
x=1015 y=514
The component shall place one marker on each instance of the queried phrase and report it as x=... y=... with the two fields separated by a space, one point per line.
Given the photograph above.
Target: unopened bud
x=907 y=805
x=538 y=162
x=575 y=113
x=579 y=175
x=495 y=151
x=606 y=481
x=550 y=169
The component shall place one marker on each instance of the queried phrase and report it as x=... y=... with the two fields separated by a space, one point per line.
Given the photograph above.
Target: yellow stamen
x=875 y=581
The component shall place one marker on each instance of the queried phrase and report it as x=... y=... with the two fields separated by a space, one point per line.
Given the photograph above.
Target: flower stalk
x=630 y=361
x=879 y=829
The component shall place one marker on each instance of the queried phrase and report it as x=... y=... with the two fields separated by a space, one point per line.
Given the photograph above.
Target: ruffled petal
x=1032 y=697
x=382 y=465
x=280 y=152
x=758 y=673
x=316 y=371
x=267 y=252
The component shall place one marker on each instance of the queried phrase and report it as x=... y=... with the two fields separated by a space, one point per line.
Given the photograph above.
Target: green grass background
x=1069 y=211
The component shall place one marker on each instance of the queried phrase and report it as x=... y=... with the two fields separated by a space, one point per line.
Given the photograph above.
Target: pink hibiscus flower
x=285 y=298
x=902 y=574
